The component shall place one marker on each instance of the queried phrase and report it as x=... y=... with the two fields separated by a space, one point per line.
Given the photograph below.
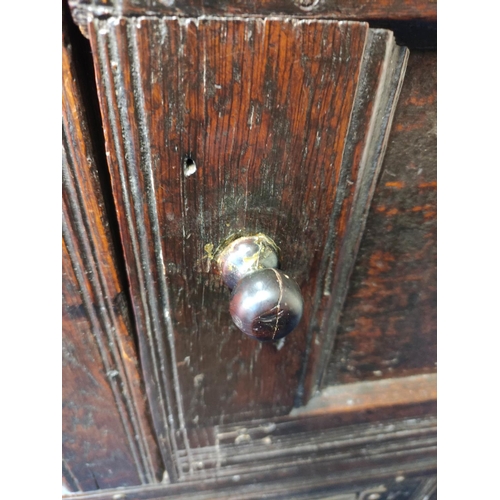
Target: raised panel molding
x=287 y=122
x=108 y=440
x=390 y=452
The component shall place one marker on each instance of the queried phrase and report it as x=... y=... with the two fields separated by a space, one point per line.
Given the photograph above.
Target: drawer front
x=215 y=126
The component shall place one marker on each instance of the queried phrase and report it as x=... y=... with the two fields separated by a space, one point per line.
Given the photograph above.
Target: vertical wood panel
x=388 y=326
x=378 y=92
x=107 y=437
x=264 y=107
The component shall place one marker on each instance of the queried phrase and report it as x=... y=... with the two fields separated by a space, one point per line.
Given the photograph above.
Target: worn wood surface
x=107 y=436
x=416 y=11
x=361 y=396
x=388 y=326
x=311 y=456
x=264 y=108
x=395 y=486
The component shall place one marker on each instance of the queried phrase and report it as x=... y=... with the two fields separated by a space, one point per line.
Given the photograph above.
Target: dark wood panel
x=107 y=436
x=388 y=326
x=361 y=396
x=386 y=450
x=366 y=10
x=388 y=487
x=286 y=141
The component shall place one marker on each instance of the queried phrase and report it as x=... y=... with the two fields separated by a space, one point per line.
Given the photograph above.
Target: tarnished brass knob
x=265 y=303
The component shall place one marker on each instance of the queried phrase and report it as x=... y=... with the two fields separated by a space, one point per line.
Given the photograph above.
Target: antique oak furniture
x=261 y=167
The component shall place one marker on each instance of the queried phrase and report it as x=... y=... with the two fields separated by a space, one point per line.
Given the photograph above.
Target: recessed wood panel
x=389 y=322
x=286 y=121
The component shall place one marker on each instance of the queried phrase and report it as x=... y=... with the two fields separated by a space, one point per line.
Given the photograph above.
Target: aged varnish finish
x=371 y=10
x=286 y=122
x=388 y=328
x=107 y=436
x=316 y=453
x=236 y=118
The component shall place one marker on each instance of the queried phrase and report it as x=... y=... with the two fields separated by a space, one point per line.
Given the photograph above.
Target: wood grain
x=370 y=122
x=286 y=121
x=107 y=436
x=366 y=10
x=362 y=396
x=311 y=456
x=388 y=326
x=390 y=486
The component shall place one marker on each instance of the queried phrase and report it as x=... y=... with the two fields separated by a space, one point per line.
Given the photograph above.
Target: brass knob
x=265 y=303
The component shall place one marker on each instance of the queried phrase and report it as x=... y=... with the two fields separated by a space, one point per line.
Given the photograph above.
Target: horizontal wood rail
x=349 y=440
x=364 y=395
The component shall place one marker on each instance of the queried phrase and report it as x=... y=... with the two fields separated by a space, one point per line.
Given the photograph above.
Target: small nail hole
x=189 y=166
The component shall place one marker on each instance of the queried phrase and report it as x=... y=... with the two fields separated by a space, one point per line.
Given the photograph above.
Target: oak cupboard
x=312 y=123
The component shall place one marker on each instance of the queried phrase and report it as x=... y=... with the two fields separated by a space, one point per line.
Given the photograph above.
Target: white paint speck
x=190 y=169
x=198 y=379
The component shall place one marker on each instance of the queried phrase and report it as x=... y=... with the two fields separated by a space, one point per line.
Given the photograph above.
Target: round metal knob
x=265 y=303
